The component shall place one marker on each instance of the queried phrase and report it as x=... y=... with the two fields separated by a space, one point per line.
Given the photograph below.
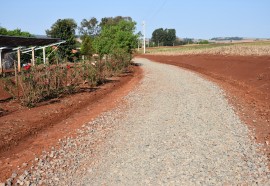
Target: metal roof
x=14 y=41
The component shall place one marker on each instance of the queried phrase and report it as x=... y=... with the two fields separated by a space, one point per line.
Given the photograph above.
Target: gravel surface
x=175 y=128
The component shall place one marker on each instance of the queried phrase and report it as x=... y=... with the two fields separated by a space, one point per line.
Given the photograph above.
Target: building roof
x=14 y=41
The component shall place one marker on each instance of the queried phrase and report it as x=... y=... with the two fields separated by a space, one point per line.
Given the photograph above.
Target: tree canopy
x=86 y=47
x=116 y=37
x=64 y=29
x=15 y=32
x=164 y=37
x=106 y=21
x=89 y=28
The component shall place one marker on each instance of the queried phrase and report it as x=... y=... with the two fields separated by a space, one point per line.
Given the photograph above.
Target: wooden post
x=1 y=66
x=16 y=79
x=33 y=56
x=83 y=58
x=19 y=59
x=44 y=55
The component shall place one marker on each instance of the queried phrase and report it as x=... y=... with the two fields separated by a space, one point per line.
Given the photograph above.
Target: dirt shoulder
x=25 y=133
x=245 y=79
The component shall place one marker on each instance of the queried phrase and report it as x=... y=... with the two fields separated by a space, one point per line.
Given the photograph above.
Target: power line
x=150 y=17
x=157 y=11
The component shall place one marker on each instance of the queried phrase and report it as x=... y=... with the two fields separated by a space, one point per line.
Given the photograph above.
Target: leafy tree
x=170 y=37
x=86 y=47
x=158 y=36
x=106 y=21
x=18 y=32
x=89 y=28
x=117 y=38
x=15 y=32
x=203 y=42
x=65 y=30
x=165 y=37
x=3 y=31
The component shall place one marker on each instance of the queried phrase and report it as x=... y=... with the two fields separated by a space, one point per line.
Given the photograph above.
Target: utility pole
x=144 y=37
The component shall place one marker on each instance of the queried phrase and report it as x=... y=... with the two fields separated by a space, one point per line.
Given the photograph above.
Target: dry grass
x=243 y=49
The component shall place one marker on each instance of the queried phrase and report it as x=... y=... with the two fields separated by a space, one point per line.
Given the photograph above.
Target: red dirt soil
x=246 y=81
x=25 y=133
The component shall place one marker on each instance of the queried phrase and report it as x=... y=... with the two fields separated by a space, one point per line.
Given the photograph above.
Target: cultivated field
x=239 y=49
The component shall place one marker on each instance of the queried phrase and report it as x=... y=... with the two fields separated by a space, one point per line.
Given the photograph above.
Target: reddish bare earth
x=25 y=133
x=245 y=79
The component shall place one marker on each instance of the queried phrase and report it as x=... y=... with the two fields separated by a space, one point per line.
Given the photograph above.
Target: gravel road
x=175 y=128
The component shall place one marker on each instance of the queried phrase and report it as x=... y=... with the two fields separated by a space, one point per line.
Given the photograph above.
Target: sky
x=200 y=19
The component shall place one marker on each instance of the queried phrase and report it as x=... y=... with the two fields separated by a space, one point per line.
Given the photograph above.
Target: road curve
x=176 y=128
x=179 y=130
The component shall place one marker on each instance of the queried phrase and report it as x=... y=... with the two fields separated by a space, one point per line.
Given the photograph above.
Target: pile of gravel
x=175 y=128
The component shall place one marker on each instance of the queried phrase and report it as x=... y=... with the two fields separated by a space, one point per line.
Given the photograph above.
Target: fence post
x=44 y=55
x=33 y=56
x=19 y=59
x=1 y=66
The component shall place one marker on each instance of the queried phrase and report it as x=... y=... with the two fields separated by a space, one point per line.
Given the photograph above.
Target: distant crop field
x=239 y=49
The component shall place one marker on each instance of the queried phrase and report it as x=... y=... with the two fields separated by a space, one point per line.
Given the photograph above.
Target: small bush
x=49 y=81
x=43 y=82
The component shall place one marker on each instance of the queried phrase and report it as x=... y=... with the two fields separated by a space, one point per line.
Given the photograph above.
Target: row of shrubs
x=43 y=82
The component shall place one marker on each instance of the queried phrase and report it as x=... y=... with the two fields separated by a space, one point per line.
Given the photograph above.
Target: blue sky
x=191 y=18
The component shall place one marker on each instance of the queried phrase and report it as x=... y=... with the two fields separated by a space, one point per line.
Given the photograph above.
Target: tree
x=165 y=37
x=18 y=32
x=15 y=32
x=106 y=21
x=158 y=36
x=65 y=30
x=170 y=37
x=3 y=31
x=86 y=47
x=89 y=28
x=117 y=38
x=203 y=42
